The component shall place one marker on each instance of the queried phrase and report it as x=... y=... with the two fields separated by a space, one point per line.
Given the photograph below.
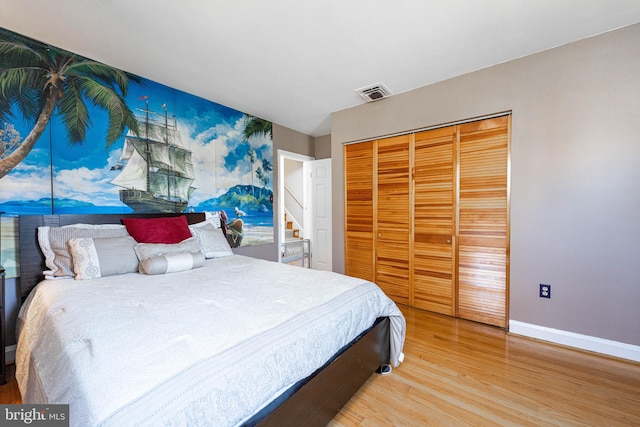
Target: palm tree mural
x=268 y=167
x=39 y=80
x=253 y=157
x=262 y=177
x=263 y=172
x=255 y=126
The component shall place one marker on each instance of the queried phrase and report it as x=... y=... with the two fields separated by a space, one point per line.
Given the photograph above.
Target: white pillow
x=150 y=250
x=212 y=241
x=213 y=218
x=94 y=258
x=53 y=242
x=171 y=263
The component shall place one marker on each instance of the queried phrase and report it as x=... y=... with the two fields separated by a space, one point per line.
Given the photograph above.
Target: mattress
x=208 y=346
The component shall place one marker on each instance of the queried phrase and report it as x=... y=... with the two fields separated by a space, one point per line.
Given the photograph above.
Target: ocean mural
x=79 y=136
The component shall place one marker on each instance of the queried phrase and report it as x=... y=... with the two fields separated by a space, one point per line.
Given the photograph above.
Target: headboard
x=31 y=257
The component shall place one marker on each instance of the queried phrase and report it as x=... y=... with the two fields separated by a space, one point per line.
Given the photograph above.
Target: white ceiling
x=294 y=62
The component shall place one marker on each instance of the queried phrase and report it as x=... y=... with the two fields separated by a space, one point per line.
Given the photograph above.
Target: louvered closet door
x=359 y=219
x=393 y=215
x=434 y=220
x=483 y=221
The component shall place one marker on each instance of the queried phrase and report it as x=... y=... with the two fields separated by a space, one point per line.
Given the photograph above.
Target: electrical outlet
x=545 y=291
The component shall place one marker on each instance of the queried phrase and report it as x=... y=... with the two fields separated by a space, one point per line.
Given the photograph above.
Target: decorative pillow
x=53 y=242
x=158 y=230
x=212 y=241
x=171 y=263
x=211 y=217
x=93 y=258
x=150 y=250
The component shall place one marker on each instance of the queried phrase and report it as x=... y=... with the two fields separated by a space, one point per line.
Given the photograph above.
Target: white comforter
x=208 y=346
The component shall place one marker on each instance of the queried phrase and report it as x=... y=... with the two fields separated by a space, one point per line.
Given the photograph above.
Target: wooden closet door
x=483 y=222
x=434 y=220
x=393 y=213
x=359 y=219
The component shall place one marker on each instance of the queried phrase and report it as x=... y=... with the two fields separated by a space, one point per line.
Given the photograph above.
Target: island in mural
x=79 y=136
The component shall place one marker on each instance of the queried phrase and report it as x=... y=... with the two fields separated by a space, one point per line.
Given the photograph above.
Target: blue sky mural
x=57 y=176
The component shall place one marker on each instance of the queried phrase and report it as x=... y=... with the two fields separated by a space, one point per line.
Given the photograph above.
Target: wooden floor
x=9 y=392
x=460 y=373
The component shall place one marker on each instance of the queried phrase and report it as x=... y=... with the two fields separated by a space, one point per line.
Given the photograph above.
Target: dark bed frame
x=313 y=401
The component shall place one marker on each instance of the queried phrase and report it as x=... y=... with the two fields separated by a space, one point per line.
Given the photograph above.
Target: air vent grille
x=374 y=92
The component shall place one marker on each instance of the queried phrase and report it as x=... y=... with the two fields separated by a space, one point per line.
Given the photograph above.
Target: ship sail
x=133 y=175
x=158 y=174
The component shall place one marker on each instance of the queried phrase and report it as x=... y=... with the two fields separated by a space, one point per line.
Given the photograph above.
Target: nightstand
x=3 y=367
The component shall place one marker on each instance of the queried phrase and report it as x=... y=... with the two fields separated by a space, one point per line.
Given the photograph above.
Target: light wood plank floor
x=461 y=373
x=9 y=392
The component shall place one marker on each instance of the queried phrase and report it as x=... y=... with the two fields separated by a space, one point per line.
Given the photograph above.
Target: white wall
x=294 y=190
x=575 y=175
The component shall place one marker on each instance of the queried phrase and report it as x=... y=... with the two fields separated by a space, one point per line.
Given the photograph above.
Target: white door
x=321 y=255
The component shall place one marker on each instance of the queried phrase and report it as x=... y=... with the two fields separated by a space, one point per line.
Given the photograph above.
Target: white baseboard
x=571 y=339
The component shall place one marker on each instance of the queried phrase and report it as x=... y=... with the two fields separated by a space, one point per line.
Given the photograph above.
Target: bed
x=232 y=340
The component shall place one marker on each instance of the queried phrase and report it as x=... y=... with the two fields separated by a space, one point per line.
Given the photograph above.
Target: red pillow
x=158 y=230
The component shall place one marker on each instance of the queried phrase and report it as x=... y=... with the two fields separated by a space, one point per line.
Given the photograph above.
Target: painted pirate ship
x=156 y=170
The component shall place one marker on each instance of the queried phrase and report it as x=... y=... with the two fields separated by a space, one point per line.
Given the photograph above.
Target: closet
x=427 y=218
x=392 y=228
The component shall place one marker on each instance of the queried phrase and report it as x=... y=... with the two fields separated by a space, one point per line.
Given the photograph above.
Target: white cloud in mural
x=209 y=149
x=28 y=183
x=86 y=185
x=32 y=182
x=205 y=155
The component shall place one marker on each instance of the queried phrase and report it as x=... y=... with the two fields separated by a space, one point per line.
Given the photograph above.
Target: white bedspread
x=208 y=346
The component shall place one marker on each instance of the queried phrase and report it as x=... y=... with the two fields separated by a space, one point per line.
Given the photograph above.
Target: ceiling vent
x=374 y=92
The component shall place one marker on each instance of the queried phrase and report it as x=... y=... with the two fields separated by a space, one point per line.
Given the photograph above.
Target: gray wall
x=322 y=147
x=575 y=175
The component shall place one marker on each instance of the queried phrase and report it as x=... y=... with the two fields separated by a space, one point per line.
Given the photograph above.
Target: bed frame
x=313 y=401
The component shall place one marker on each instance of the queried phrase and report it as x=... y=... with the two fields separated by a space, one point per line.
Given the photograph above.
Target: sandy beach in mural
x=257 y=235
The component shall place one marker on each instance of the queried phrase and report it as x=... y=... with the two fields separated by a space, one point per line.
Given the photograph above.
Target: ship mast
x=147 y=146
x=166 y=140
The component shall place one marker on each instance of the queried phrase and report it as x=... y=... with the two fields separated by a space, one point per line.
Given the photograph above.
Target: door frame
x=282 y=156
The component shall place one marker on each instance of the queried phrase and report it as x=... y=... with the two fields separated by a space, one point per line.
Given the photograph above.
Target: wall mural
x=79 y=136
